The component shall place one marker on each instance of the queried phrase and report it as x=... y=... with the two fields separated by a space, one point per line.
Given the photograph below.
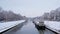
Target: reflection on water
x=27 y=28
x=41 y=32
x=45 y=32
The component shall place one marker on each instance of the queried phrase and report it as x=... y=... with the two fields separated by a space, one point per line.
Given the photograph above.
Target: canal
x=27 y=28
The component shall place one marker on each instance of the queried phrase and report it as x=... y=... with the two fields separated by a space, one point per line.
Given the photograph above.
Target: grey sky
x=30 y=8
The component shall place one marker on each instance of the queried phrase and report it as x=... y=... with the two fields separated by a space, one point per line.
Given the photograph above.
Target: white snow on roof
x=7 y=25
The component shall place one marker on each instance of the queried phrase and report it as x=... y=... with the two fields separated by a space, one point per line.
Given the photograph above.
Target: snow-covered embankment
x=7 y=25
x=53 y=25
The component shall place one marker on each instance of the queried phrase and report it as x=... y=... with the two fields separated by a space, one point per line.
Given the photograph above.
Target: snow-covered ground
x=53 y=25
x=6 y=25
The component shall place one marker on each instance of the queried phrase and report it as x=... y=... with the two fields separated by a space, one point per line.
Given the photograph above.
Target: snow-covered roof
x=7 y=25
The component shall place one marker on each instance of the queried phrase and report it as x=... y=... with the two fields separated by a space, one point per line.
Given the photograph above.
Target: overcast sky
x=30 y=8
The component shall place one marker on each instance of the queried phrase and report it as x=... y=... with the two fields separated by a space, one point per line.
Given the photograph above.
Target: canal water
x=27 y=28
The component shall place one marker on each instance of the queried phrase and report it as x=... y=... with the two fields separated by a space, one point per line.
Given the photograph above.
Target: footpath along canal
x=27 y=28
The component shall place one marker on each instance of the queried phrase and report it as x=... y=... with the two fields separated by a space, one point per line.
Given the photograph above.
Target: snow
x=53 y=25
x=6 y=25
